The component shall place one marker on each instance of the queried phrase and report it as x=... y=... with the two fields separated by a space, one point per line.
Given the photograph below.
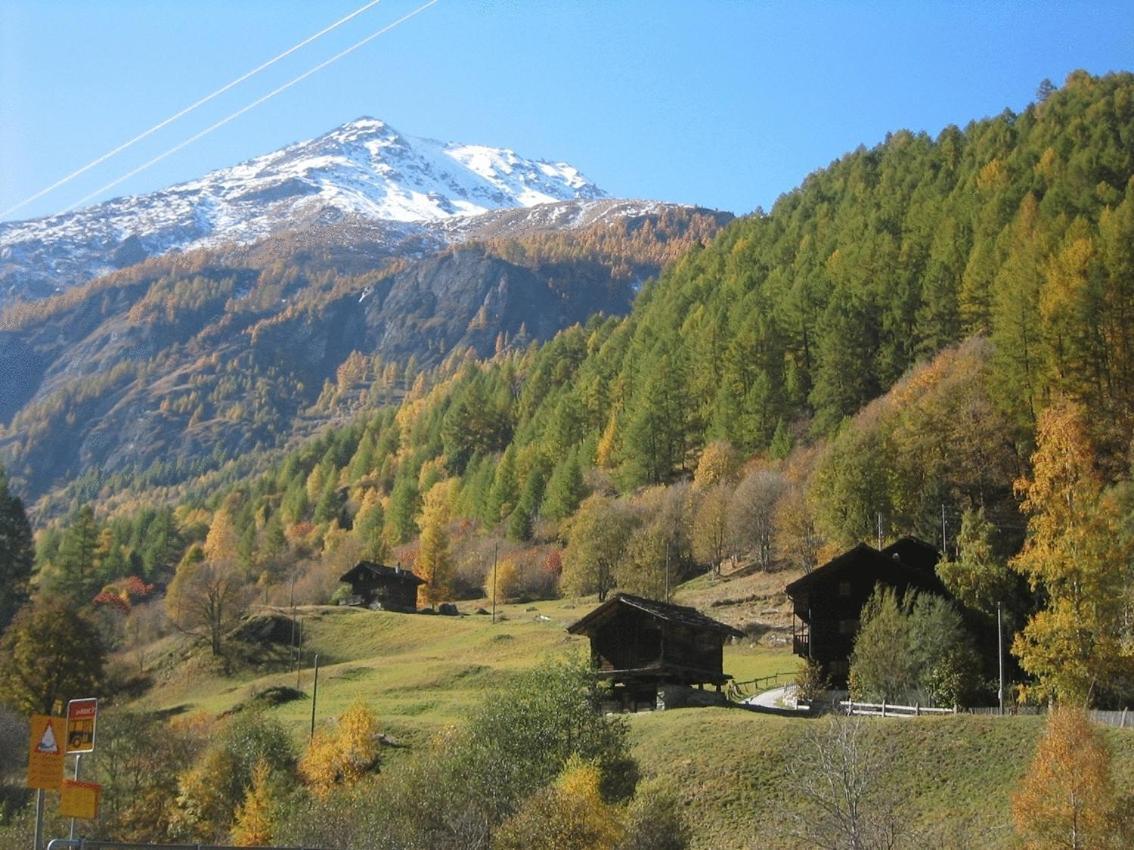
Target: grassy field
x=732 y=771
x=419 y=673
x=731 y=768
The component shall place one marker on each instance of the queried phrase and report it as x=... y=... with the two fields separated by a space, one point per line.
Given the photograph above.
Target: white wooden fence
x=885 y=709
x=1123 y=719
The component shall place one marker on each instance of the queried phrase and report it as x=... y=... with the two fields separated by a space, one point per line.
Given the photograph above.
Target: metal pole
x=38 y=819
x=78 y=757
x=880 y=529
x=1000 y=656
x=314 y=694
x=667 y=571
x=495 y=553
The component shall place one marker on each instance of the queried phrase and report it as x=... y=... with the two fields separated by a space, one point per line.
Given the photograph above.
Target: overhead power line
x=190 y=108
x=257 y=102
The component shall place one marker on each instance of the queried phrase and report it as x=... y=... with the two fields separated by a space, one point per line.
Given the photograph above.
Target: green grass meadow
x=730 y=768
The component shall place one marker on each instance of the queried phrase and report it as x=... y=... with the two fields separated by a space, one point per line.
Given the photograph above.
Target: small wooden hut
x=648 y=650
x=827 y=602
x=378 y=586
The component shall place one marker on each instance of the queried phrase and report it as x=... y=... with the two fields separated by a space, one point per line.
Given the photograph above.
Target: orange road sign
x=81 y=717
x=45 y=752
x=79 y=799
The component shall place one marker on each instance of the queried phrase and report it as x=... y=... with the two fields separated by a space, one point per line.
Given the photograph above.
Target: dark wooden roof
x=915 y=555
x=677 y=614
x=379 y=571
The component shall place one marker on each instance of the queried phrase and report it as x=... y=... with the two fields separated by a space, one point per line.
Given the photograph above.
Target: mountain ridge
x=364 y=169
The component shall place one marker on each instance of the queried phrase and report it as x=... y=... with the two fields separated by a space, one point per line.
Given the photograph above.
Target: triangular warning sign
x=47 y=744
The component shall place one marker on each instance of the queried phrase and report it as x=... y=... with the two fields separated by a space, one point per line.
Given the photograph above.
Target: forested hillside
x=178 y=366
x=910 y=342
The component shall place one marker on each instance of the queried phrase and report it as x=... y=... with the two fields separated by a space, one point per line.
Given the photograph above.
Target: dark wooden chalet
x=641 y=646
x=827 y=602
x=378 y=586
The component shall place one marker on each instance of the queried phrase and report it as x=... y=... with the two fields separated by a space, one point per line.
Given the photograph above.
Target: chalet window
x=706 y=642
x=848 y=627
x=844 y=588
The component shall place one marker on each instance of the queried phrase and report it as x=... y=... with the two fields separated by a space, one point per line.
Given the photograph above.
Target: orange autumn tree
x=1067 y=800
x=1078 y=557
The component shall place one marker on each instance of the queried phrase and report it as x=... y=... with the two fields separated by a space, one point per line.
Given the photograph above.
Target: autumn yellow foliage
x=343 y=754
x=1067 y=800
x=253 y=827
x=503 y=581
x=1077 y=556
x=569 y=815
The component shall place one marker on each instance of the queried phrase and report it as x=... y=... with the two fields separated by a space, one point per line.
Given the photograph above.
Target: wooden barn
x=378 y=586
x=827 y=602
x=650 y=651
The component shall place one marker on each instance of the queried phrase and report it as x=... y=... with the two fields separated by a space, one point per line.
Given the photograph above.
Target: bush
x=568 y=815
x=517 y=742
x=913 y=646
x=653 y=821
x=811 y=682
x=218 y=781
x=344 y=754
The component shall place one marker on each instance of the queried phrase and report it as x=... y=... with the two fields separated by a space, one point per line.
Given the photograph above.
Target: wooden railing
x=884 y=709
x=739 y=691
x=1120 y=719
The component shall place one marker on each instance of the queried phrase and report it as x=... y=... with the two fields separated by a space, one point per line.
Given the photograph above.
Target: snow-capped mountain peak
x=364 y=169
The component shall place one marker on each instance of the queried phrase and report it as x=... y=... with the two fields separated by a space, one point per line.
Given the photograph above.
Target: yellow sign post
x=79 y=799
x=45 y=752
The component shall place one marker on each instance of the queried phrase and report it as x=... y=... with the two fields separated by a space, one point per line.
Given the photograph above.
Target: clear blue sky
x=726 y=104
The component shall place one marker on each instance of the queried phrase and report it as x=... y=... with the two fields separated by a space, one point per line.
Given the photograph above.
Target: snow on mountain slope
x=364 y=169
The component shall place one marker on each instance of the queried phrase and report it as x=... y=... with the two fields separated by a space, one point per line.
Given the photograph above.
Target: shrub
x=344 y=754
x=568 y=815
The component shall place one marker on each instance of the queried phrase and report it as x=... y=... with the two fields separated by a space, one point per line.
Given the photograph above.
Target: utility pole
x=314 y=695
x=299 y=658
x=1000 y=656
x=495 y=555
x=296 y=654
x=944 y=539
x=667 y=571
x=880 y=529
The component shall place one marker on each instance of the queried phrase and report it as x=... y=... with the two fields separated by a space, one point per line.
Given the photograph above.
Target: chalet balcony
x=800 y=638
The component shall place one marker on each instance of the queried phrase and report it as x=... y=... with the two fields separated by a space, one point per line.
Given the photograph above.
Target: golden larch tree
x=254 y=818
x=1066 y=800
x=435 y=558
x=343 y=754
x=1076 y=555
